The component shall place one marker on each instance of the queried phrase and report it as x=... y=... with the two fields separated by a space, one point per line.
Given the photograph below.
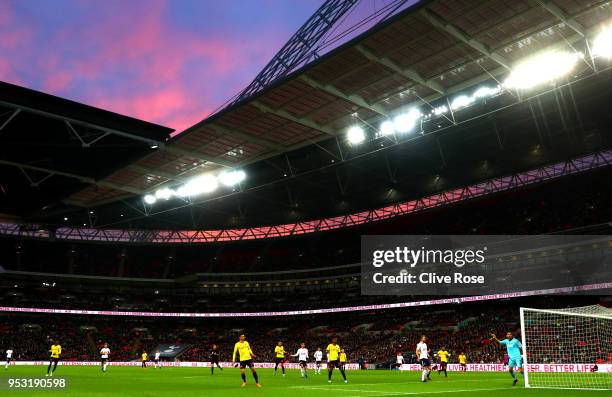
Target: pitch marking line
x=413 y=381
x=383 y=393
x=408 y=382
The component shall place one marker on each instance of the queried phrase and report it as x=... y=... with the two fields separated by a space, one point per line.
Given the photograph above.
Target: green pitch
x=186 y=382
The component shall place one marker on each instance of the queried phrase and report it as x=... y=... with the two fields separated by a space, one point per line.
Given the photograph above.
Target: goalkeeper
x=513 y=347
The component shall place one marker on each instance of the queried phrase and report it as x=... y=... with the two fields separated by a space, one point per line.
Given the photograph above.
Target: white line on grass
x=418 y=381
x=411 y=381
x=440 y=391
x=398 y=393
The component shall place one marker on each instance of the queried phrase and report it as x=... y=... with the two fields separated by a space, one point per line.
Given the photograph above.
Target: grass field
x=151 y=382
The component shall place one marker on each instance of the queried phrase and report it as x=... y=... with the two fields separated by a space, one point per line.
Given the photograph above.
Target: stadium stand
x=573 y=205
x=458 y=327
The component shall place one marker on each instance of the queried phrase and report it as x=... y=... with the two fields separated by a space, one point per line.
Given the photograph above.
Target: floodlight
x=208 y=183
x=356 y=135
x=486 y=91
x=186 y=190
x=602 y=45
x=202 y=184
x=387 y=128
x=150 y=199
x=461 y=101
x=415 y=113
x=164 y=193
x=405 y=122
x=440 y=110
x=541 y=69
x=232 y=178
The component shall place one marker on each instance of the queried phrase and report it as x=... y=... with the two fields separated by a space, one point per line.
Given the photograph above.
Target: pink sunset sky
x=171 y=62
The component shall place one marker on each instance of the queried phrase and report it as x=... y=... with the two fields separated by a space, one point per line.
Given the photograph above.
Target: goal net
x=568 y=348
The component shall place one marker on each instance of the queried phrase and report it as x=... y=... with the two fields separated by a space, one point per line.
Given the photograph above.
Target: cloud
x=6 y=71
x=13 y=36
x=131 y=58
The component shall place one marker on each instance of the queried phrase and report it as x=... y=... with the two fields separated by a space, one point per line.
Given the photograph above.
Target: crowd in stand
x=375 y=336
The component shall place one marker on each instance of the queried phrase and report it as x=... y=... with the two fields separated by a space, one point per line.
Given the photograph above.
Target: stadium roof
x=293 y=129
x=51 y=148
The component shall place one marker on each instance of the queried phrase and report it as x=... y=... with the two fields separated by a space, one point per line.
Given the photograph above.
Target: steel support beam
x=80 y=178
x=288 y=116
x=499 y=71
x=352 y=98
x=71 y=120
x=10 y=118
x=492 y=73
x=562 y=16
x=152 y=171
x=406 y=72
x=162 y=145
x=173 y=149
x=441 y=24
x=300 y=46
x=80 y=138
x=239 y=133
x=433 y=79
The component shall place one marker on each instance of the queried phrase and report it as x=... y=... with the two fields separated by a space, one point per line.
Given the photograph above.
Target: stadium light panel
x=440 y=110
x=485 y=91
x=202 y=184
x=415 y=113
x=232 y=178
x=387 y=128
x=356 y=135
x=406 y=122
x=541 y=69
x=461 y=101
x=403 y=123
x=150 y=199
x=602 y=45
x=164 y=194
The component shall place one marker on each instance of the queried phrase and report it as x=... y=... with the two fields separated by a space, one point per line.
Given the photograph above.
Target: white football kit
x=302 y=354
x=9 y=358
x=423 y=351
x=104 y=353
x=424 y=358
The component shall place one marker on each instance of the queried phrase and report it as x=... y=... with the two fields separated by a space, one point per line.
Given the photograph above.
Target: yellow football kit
x=443 y=354
x=334 y=351
x=244 y=351
x=56 y=351
x=280 y=351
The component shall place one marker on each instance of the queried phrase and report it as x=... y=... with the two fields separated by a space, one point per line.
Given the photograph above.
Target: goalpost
x=567 y=348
